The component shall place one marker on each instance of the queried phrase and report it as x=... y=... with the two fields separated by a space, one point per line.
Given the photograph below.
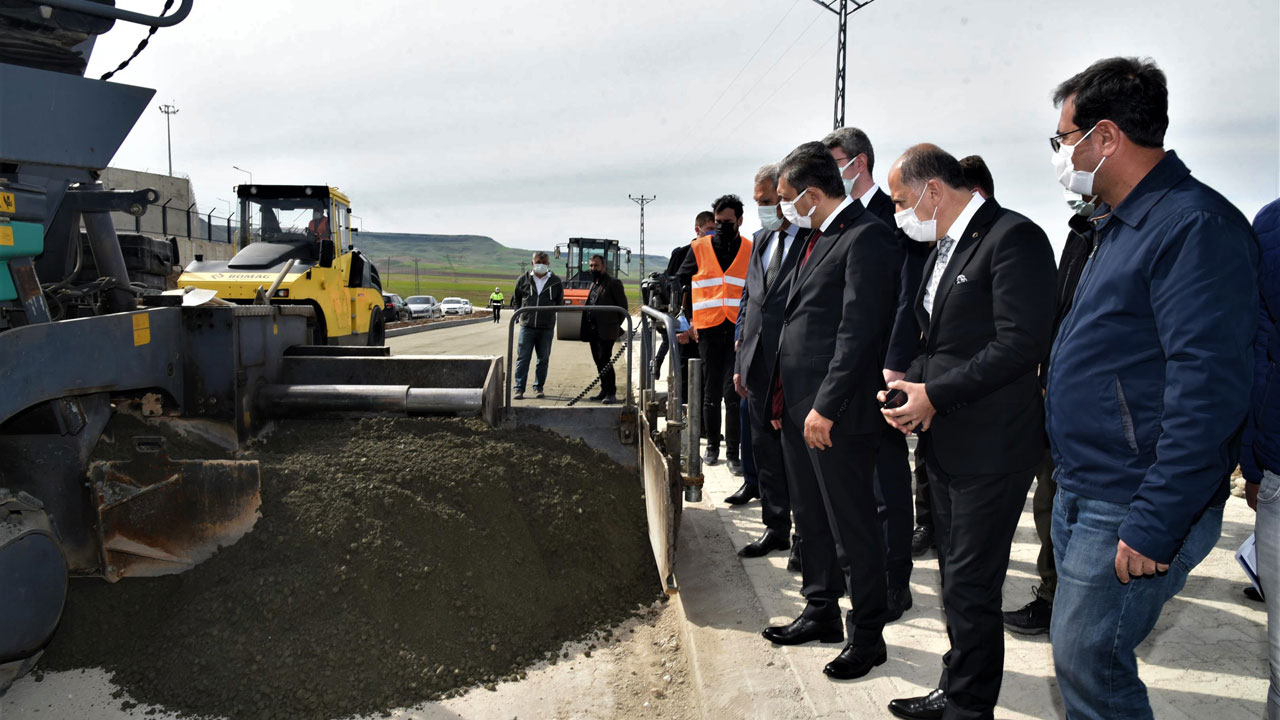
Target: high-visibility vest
x=716 y=292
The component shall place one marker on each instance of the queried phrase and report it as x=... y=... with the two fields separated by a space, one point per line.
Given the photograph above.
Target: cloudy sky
x=532 y=122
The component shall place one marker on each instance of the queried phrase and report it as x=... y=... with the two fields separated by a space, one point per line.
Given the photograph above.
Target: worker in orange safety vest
x=714 y=274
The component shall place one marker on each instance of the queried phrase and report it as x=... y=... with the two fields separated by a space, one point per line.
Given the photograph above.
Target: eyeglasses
x=1055 y=141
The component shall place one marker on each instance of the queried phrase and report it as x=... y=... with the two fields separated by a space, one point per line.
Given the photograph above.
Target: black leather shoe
x=744 y=495
x=598 y=396
x=609 y=399
x=735 y=466
x=793 y=562
x=921 y=540
x=920 y=708
x=855 y=661
x=899 y=601
x=803 y=630
x=711 y=455
x=1032 y=618
x=771 y=540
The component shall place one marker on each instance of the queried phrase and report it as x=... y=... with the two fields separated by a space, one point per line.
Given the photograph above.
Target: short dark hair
x=811 y=166
x=704 y=217
x=924 y=162
x=731 y=202
x=1130 y=92
x=542 y=255
x=977 y=175
x=853 y=142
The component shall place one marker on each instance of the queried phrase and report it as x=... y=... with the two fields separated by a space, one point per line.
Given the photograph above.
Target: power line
x=753 y=113
x=689 y=131
x=747 y=94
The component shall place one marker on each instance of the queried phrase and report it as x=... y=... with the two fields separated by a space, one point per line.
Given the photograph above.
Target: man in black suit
x=852 y=151
x=985 y=310
x=773 y=257
x=602 y=330
x=824 y=402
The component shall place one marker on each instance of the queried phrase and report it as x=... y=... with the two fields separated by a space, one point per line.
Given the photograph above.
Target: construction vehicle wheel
x=33 y=583
x=377 y=329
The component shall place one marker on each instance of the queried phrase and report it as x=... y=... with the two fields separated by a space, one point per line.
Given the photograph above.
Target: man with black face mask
x=714 y=274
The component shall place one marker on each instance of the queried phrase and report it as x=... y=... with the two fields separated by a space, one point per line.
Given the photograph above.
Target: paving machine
x=577 y=276
x=296 y=249
x=94 y=360
x=110 y=384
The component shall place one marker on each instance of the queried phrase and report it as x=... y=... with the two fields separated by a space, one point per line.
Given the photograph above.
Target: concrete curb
x=397 y=332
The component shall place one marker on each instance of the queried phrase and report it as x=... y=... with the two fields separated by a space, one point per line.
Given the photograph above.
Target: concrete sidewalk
x=1205 y=659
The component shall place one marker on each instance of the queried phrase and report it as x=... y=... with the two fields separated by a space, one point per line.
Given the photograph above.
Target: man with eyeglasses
x=1148 y=383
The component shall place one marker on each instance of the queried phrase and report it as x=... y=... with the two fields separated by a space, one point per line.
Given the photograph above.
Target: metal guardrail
x=115 y=13
x=676 y=414
x=511 y=333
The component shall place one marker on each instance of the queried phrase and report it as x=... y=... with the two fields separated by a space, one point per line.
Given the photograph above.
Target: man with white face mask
x=773 y=257
x=1148 y=383
x=852 y=151
x=538 y=288
x=984 y=312
x=823 y=401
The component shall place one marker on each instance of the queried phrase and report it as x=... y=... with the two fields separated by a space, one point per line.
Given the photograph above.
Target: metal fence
x=190 y=223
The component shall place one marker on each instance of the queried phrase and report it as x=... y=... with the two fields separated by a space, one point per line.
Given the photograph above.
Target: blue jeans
x=1267 y=532
x=532 y=338
x=1097 y=621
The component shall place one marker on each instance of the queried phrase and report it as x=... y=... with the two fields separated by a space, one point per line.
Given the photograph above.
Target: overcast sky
x=532 y=122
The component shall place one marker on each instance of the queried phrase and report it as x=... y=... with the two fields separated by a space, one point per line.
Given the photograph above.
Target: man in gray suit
x=760 y=324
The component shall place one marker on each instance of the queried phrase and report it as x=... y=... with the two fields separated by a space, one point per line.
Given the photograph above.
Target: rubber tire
x=377 y=329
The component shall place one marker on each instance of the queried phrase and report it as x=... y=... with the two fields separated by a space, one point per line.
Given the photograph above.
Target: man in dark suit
x=985 y=310
x=852 y=151
x=824 y=402
x=602 y=330
x=773 y=257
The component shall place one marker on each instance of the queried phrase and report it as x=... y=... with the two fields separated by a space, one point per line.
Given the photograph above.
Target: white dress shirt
x=866 y=196
x=832 y=217
x=946 y=249
x=786 y=236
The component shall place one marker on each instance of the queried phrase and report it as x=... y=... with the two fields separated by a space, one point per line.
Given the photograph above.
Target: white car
x=455 y=306
x=423 y=306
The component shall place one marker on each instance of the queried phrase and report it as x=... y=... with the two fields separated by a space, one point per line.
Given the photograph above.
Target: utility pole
x=417 y=288
x=843 y=11
x=523 y=263
x=388 y=272
x=169 y=111
x=642 y=201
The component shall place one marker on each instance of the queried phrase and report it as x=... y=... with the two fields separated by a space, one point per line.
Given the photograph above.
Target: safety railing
x=647 y=352
x=190 y=223
x=608 y=309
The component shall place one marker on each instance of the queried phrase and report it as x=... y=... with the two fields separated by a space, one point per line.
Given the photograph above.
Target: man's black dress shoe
x=855 y=661
x=711 y=455
x=803 y=630
x=899 y=601
x=609 y=399
x=921 y=540
x=771 y=540
x=735 y=466
x=793 y=562
x=598 y=396
x=745 y=494
x=920 y=708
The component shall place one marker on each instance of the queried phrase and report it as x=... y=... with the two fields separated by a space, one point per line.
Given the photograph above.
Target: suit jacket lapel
x=790 y=257
x=966 y=244
x=826 y=241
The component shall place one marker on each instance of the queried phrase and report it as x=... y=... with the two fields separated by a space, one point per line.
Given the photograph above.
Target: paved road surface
x=570 y=370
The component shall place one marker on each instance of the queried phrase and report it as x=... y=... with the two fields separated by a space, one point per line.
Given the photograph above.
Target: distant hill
x=460 y=255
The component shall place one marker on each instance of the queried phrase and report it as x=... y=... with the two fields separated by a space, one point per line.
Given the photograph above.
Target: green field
x=466 y=266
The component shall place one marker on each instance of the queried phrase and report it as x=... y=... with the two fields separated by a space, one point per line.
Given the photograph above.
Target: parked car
x=468 y=304
x=455 y=306
x=394 y=308
x=423 y=306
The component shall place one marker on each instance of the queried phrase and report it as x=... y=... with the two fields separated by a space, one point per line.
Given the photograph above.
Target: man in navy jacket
x=1260 y=458
x=1148 y=382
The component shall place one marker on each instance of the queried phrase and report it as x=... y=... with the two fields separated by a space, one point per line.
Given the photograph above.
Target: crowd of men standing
x=1119 y=379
